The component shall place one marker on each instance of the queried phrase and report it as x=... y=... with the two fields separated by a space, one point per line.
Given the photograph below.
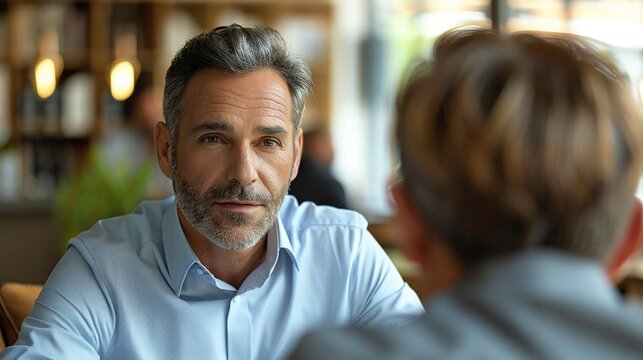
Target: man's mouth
x=238 y=205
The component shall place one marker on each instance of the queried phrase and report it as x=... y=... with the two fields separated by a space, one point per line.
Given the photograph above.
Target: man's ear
x=163 y=143
x=630 y=243
x=411 y=224
x=299 y=143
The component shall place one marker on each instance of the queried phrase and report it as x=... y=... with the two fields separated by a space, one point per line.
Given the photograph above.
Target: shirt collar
x=178 y=253
x=180 y=257
x=284 y=242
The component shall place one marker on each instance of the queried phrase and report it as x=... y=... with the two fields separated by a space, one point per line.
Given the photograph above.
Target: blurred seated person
x=315 y=182
x=131 y=145
x=520 y=155
x=121 y=169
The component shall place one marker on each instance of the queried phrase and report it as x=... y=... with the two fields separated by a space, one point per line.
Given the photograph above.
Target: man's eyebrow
x=210 y=126
x=272 y=130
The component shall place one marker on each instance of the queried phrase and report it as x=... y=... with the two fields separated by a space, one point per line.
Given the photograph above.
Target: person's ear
x=411 y=224
x=163 y=142
x=630 y=243
x=299 y=143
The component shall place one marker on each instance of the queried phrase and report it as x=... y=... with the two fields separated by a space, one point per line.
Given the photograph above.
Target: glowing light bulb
x=121 y=80
x=45 y=76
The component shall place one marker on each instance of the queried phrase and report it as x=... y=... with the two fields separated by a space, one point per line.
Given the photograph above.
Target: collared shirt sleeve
x=66 y=322
x=379 y=292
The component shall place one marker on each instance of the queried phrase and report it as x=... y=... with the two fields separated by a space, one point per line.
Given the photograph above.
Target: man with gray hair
x=231 y=267
x=520 y=155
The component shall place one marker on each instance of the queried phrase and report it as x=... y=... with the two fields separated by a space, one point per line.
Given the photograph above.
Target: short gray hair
x=510 y=142
x=238 y=50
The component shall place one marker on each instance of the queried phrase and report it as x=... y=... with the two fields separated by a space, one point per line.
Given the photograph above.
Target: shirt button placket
x=239 y=329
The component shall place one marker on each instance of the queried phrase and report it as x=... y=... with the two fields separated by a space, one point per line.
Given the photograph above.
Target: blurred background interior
x=81 y=85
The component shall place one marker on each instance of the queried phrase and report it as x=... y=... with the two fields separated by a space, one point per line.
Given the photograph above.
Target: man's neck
x=231 y=266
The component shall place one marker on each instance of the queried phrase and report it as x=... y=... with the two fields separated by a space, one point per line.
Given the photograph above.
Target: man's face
x=235 y=155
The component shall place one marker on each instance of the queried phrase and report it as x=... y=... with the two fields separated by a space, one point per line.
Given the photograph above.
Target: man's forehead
x=260 y=80
x=215 y=96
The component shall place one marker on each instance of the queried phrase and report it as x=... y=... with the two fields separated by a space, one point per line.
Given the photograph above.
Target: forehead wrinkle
x=278 y=93
x=227 y=111
x=224 y=107
x=273 y=95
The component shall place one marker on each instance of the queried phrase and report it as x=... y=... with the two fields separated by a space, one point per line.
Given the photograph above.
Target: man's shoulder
x=318 y=233
x=134 y=230
x=307 y=214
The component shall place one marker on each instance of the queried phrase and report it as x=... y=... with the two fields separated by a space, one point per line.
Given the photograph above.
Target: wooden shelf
x=88 y=32
x=54 y=137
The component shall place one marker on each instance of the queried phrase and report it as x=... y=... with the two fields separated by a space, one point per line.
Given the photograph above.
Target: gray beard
x=197 y=209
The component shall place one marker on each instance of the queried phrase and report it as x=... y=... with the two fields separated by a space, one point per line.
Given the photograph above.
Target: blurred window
x=617 y=25
x=414 y=25
x=615 y=22
x=408 y=29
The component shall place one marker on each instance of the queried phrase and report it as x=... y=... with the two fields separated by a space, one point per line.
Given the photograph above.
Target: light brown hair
x=530 y=139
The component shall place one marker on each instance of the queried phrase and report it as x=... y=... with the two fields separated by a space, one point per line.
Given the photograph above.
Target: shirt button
x=200 y=271
x=234 y=299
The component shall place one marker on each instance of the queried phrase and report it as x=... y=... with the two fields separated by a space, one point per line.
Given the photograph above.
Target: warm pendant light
x=121 y=80
x=125 y=69
x=49 y=65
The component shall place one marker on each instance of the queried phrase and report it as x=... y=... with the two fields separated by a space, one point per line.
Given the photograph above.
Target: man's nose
x=243 y=165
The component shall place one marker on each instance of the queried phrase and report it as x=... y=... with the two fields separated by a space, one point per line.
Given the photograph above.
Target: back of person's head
x=143 y=109
x=238 y=50
x=509 y=142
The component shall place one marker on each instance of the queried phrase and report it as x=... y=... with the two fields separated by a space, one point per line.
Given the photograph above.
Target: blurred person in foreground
x=230 y=268
x=520 y=155
x=314 y=181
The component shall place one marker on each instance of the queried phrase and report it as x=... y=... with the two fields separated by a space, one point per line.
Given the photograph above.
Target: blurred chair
x=16 y=302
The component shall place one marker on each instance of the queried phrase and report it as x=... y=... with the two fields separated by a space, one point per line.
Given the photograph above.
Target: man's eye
x=271 y=143
x=211 y=139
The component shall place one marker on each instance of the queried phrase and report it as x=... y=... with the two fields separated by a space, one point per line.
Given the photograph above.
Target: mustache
x=235 y=191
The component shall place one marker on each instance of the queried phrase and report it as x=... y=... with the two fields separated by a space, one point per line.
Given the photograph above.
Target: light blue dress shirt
x=132 y=288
